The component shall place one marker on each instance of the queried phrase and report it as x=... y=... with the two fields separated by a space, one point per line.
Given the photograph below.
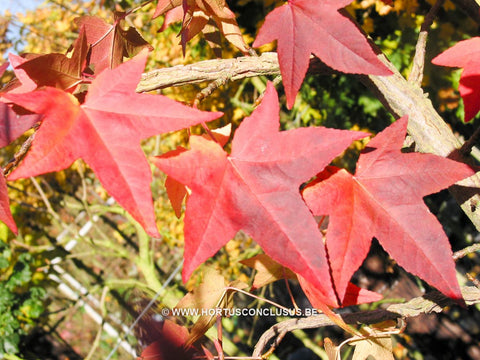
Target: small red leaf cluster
x=255 y=187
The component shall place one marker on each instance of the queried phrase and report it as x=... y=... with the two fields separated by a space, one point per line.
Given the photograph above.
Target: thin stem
x=474 y=280
x=138 y=7
x=464 y=252
x=470 y=143
x=98 y=337
x=289 y=290
x=209 y=132
x=219 y=342
x=255 y=297
x=45 y=199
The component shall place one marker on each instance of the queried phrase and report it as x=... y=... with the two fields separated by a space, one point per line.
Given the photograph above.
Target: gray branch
x=433 y=302
x=430 y=133
x=210 y=70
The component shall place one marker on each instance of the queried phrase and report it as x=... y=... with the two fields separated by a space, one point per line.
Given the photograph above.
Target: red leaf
x=5 y=214
x=176 y=191
x=22 y=82
x=384 y=200
x=58 y=70
x=465 y=54
x=256 y=189
x=303 y=27
x=105 y=132
x=13 y=125
x=111 y=42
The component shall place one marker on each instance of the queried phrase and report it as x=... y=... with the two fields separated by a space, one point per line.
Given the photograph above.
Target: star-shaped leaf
x=105 y=132
x=303 y=27
x=384 y=200
x=256 y=188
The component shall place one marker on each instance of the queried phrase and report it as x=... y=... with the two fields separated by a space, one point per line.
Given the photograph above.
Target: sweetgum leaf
x=256 y=189
x=303 y=27
x=384 y=200
x=105 y=132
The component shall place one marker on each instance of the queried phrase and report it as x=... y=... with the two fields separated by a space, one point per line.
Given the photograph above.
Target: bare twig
x=416 y=75
x=20 y=154
x=214 y=85
x=45 y=199
x=470 y=143
x=464 y=252
x=474 y=280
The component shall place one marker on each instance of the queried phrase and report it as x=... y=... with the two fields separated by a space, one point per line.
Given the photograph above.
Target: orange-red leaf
x=256 y=189
x=303 y=27
x=384 y=200
x=176 y=191
x=105 y=132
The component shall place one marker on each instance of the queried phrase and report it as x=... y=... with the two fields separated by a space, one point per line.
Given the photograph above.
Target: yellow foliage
x=410 y=7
